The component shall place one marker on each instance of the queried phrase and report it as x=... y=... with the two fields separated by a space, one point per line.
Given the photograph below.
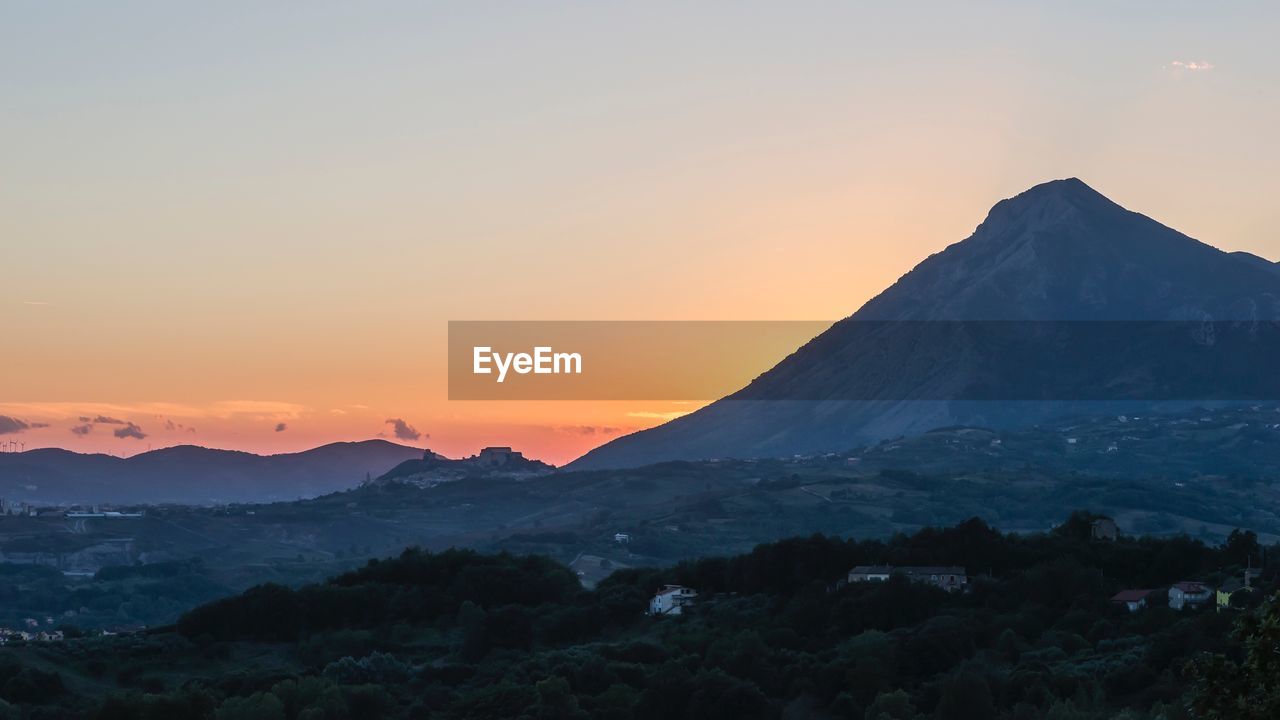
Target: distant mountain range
x=195 y=475
x=1057 y=252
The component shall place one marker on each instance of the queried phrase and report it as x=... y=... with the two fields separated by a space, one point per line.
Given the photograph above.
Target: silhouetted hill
x=193 y=474
x=910 y=358
x=491 y=462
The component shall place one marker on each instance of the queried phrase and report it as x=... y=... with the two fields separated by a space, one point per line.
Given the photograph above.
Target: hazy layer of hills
x=194 y=475
x=1203 y=473
x=1058 y=252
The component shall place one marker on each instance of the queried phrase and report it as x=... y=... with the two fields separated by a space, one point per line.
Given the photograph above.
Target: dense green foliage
x=417 y=587
x=774 y=633
x=1248 y=687
x=116 y=596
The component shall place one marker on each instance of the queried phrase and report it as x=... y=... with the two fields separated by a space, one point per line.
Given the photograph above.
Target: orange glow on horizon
x=555 y=432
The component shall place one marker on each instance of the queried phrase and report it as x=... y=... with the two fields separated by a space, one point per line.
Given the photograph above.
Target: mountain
x=192 y=474
x=1258 y=261
x=911 y=358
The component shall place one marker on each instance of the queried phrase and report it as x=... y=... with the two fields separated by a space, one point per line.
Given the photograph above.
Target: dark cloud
x=85 y=418
x=82 y=430
x=588 y=430
x=176 y=426
x=129 y=431
x=104 y=420
x=281 y=427
x=35 y=425
x=14 y=425
x=404 y=431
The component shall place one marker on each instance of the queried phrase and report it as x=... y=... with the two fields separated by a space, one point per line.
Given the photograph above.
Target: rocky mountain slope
x=914 y=357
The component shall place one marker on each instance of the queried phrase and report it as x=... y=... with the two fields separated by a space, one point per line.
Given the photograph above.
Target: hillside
x=775 y=633
x=1202 y=473
x=920 y=355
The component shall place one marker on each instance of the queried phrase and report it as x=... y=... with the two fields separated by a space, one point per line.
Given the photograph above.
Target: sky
x=247 y=224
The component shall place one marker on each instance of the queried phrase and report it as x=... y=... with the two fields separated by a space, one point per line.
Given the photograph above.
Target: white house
x=1188 y=594
x=671 y=600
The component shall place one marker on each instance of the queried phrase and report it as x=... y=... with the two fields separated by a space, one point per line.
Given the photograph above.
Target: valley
x=1201 y=473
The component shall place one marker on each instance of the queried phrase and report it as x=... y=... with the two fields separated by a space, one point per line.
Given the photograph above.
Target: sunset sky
x=246 y=225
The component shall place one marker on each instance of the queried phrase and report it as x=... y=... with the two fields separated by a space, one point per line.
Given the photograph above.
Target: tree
x=895 y=705
x=259 y=706
x=556 y=701
x=1223 y=689
x=1241 y=547
x=965 y=696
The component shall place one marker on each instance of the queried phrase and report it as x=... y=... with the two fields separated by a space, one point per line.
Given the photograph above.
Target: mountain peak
x=1071 y=189
x=1062 y=186
x=1048 y=203
x=1059 y=251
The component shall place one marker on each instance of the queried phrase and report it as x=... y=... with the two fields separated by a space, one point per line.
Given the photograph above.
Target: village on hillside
x=1179 y=595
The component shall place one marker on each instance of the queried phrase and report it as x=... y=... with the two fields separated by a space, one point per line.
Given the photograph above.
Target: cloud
x=88 y=409
x=34 y=302
x=266 y=409
x=650 y=415
x=588 y=430
x=222 y=409
x=1191 y=65
x=82 y=430
x=281 y=427
x=12 y=425
x=404 y=431
x=129 y=431
x=104 y=420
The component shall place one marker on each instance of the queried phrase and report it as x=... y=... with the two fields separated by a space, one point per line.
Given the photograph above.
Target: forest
x=774 y=633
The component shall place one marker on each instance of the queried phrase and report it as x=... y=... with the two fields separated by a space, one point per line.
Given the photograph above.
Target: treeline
x=774 y=633
x=124 y=595
x=416 y=588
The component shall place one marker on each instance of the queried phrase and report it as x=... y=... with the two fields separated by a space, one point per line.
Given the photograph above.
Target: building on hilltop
x=947 y=577
x=492 y=457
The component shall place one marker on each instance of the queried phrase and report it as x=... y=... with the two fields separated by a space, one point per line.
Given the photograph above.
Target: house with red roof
x=1134 y=600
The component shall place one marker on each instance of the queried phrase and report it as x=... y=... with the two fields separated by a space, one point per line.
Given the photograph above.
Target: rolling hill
x=194 y=475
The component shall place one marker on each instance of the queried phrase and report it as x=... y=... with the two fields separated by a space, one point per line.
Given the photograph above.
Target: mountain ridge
x=194 y=473
x=1059 y=251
